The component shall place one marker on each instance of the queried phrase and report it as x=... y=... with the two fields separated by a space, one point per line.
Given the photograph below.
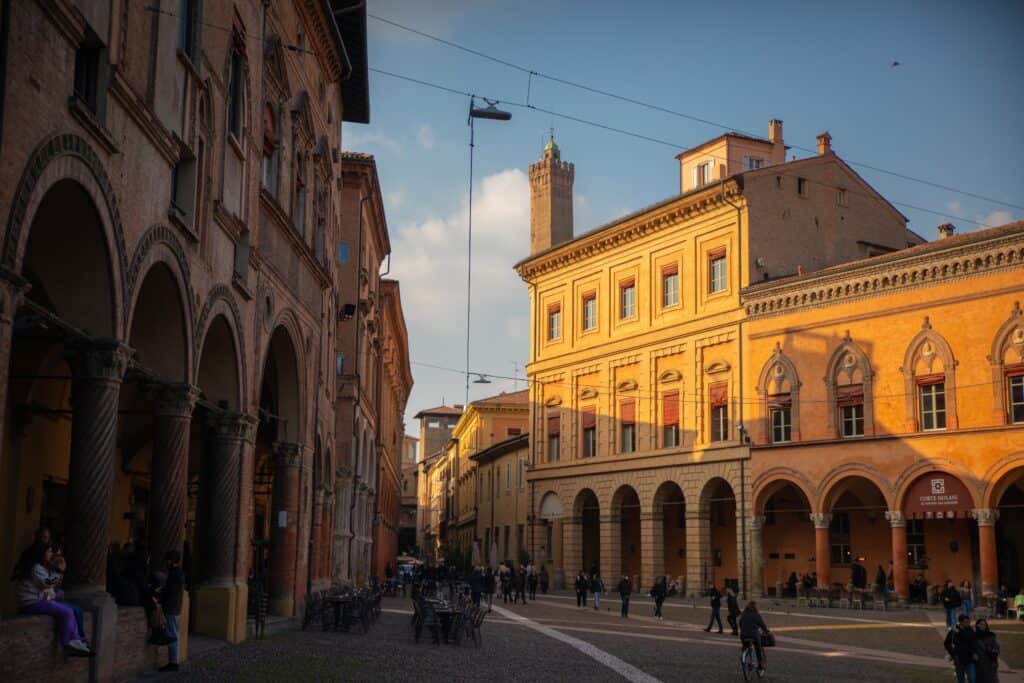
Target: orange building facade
x=888 y=416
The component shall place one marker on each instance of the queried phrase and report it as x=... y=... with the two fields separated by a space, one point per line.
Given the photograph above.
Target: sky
x=949 y=113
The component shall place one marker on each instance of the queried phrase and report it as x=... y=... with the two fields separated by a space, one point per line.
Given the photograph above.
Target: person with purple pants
x=37 y=595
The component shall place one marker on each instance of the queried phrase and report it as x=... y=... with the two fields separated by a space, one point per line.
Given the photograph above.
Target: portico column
x=572 y=547
x=611 y=549
x=284 y=527
x=652 y=552
x=900 y=571
x=822 y=552
x=342 y=524
x=986 y=518
x=698 y=551
x=97 y=368
x=315 y=551
x=169 y=489
x=756 y=526
x=12 y=289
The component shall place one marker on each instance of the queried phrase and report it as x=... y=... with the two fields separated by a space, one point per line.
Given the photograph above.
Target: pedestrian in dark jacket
x=751 y=627
x=733 y=605
x=520 y=585
x=988 y=653
x=170 y=599
x=531 y=581
x=951 y=603
x=581 y=589
x=658 y=592
x=476 y=585
x=625 y=590
x=962 y=645
x=544 y=580
x=506 y=585
x=716 y=606
x=880 y=581
x=791 y=585
x=596 y=588
x=489 y=587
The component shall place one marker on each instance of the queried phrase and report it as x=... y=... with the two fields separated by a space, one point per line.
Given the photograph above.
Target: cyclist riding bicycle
x=751 y=627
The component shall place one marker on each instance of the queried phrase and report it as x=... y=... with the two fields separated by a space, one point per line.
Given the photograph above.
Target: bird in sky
x=894 y=64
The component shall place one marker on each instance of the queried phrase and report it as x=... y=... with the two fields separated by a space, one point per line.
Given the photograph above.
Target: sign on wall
x=938 y=495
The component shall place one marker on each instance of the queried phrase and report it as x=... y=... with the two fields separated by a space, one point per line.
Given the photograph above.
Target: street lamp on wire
x=492 y=113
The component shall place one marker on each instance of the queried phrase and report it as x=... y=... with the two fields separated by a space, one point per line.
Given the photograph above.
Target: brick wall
x=133 y=654
x=29 y=651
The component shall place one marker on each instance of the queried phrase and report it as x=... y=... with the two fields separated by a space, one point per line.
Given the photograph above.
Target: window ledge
x=186 y=61
x=236 y=145
x=239 y=284
x=93 y=125
x=177 y=218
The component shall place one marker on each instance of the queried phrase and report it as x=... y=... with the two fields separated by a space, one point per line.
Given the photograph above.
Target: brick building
x=172 y=200
x=410 y=497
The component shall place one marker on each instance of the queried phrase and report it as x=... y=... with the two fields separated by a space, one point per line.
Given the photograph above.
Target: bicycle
x=748 y=661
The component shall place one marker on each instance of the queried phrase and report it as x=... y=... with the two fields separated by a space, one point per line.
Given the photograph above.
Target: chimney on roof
x=946 y=230
x=775 y=137
x=824 y=143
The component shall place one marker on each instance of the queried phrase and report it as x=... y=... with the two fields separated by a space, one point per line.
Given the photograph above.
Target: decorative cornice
x=874 y=279
x=658 y=218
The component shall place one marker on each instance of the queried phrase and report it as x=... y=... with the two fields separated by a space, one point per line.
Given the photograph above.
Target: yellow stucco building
x=644 y=390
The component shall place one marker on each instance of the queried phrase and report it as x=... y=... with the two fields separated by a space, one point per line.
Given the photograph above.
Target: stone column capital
x=97 y=359
x=173 y=400
x=287 y=453
x=229 y=426
x=821 y=520
x=897 y=518
x=756 y=522
x=985 y=516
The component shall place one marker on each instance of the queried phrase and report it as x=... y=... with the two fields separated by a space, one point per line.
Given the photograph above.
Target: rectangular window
x=554 y=321
x=508 y=476
x=627 y=299
x=850 y=400
x=87 y=71
x=841 y=197
x=589 y=311
x=186 y=26
x=339 y=364
x=1015 y=389
x=589 y=426
x=669 y=286
x=780 y=406
x=702 y=173
x=801 y=187
x=627 y=417
x=839 y=539
x=554 y=437
x=670 y=419
x=716 y=271
x=235 y=91
x=915 y=543
x=718 y=399
x=522 y=473
x=751 y=163
x=933 y=406
x=513 y=431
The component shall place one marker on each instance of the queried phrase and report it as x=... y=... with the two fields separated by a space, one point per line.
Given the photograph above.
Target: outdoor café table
x=446 y=613
x=339 y=602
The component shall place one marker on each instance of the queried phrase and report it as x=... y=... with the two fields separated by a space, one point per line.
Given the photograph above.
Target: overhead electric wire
x=674 y=112
x=667 y=143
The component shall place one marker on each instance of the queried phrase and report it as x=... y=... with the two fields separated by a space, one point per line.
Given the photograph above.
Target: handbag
x=767 y=639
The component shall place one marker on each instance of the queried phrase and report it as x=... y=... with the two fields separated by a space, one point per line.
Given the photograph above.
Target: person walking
x=951 y=603
x=531 y=581
x=962 y=645
x=596 y=588
x=716 y=606
x=966 y=597
x=506 y=584
x=489 y=587
x=476 y=585
x=880 y=581
x=733 y=606
x=519 y=582
x=988 y=653
x=170 y=600
x=581 y=589
x=544 y=580
x=658 y=592
x=625 y=590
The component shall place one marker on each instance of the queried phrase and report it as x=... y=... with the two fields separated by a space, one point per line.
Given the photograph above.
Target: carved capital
x=821 y=520
x=173 y=400
x=287 y=454
x=97 y=359
x=897 y=518
x=756 y=522
x=985 y=516
x=232 y=426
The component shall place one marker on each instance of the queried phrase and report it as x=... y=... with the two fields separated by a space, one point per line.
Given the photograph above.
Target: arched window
x=848 y=382
x=929 y=382
x=1007 y=361
x=778 y=390
x=299 y=196
x=236 y=84
x=270 y=146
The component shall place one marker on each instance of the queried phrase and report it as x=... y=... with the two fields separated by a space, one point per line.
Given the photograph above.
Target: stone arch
x=849 y=363
x=669 y=547
x=778 y=380
x=159 y=244
x=1006 y=359
x=830 y=484
x=160 y=331
x=771 y=481
x=996 y=479
x=587 y=512
x=927 y=351
x=284 y=352
x=550 y=506
x=220 y=302
x=60 y=158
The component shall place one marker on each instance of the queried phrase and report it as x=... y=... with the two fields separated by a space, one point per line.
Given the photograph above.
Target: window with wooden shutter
x=588 y=423
x=589 y=310
x=718 y=399
x=1015 y=392
x=627 y=420
x=554 y=437
x=670 y=285
x=554 y=321
x=670 y=419
x=716 y=270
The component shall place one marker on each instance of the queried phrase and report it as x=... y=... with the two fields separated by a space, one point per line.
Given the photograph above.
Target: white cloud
x=994 y=219
x=425 y=136
x=394 y=200
x=362 y=140
x=955 y=208
x=430 y=262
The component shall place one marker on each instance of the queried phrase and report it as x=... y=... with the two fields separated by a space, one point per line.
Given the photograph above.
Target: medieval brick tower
x=550 y=200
